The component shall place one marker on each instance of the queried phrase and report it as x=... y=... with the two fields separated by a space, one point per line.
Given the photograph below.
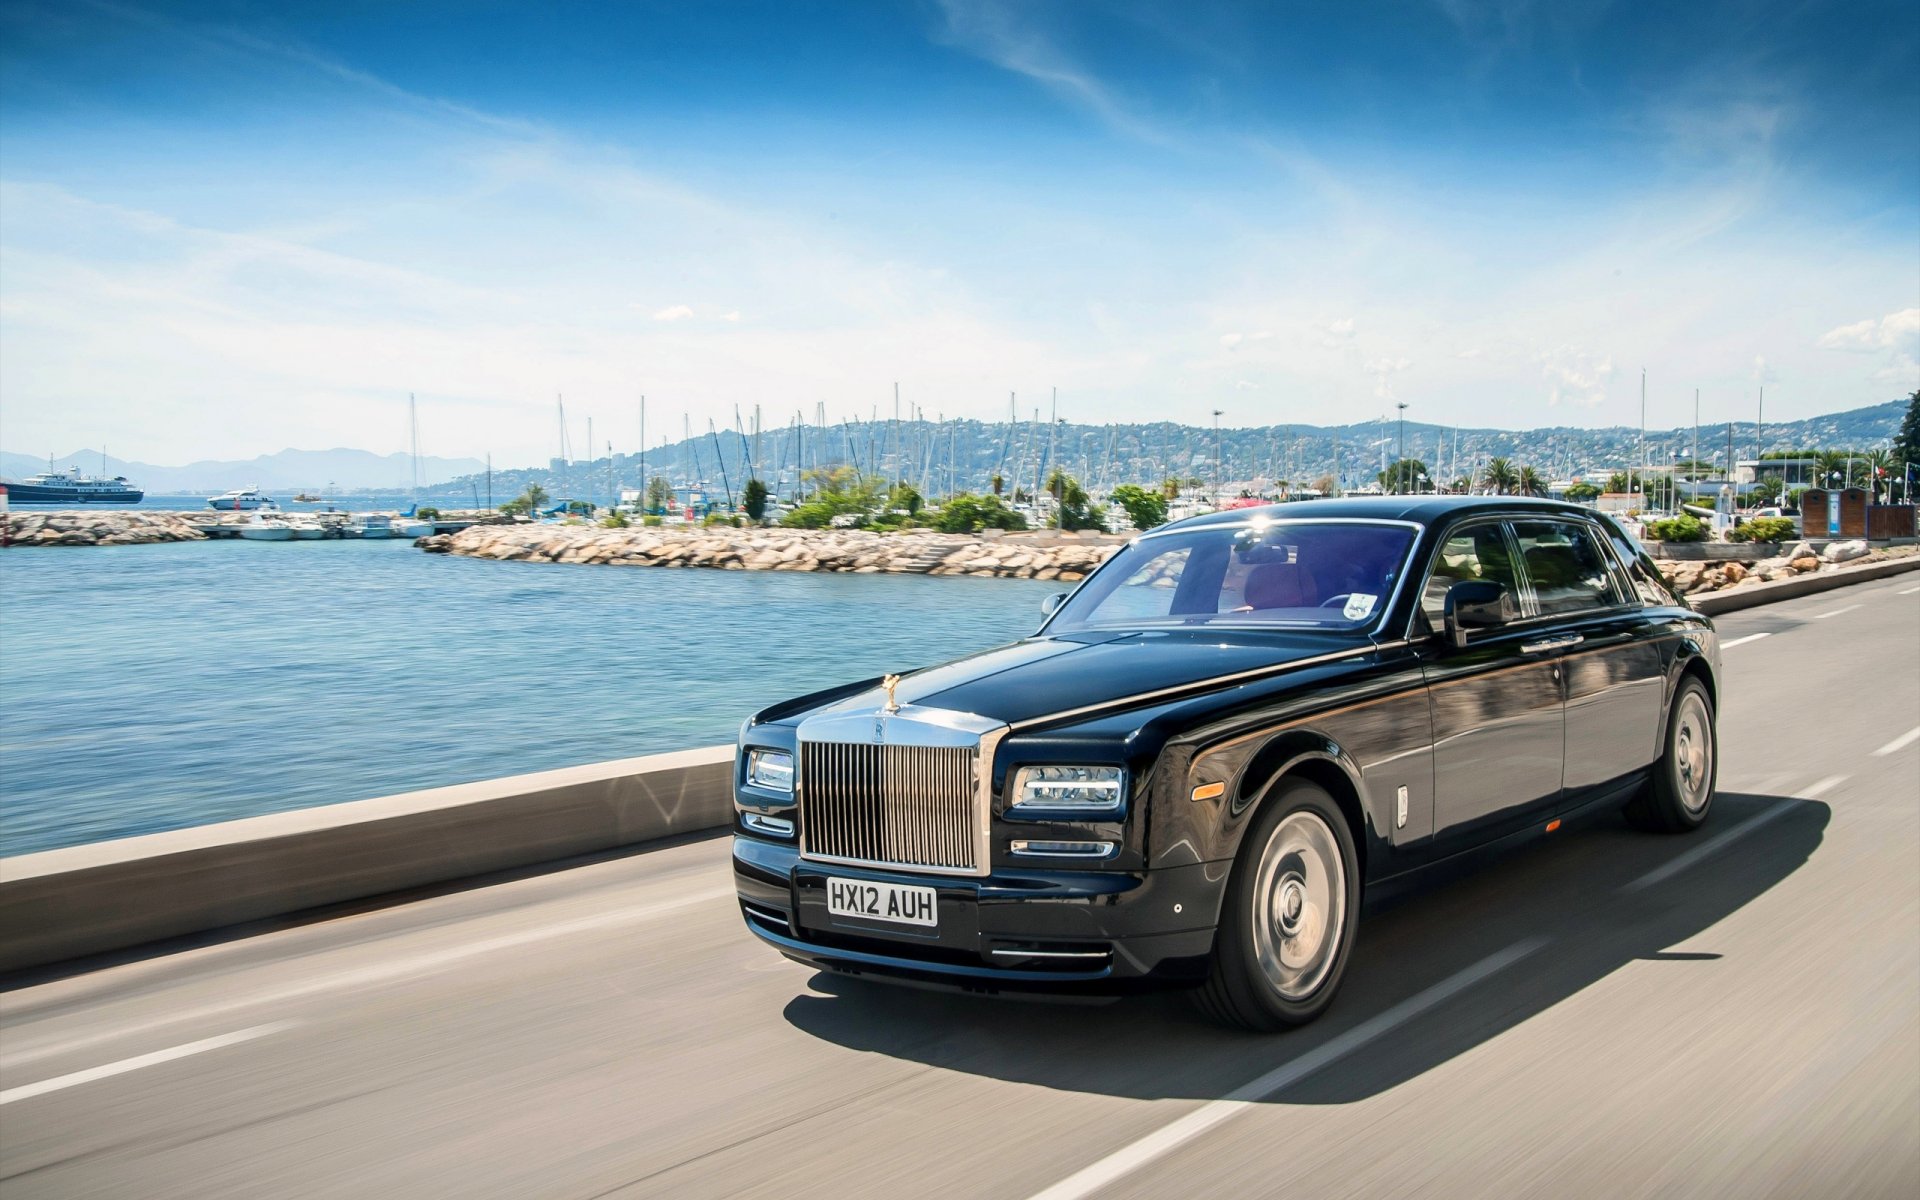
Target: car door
x=1614 y=683
x=1498 y=717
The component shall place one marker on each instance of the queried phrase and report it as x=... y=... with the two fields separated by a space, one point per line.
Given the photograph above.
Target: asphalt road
x=1608 y=1014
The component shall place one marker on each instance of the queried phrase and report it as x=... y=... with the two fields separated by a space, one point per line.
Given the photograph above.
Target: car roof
x=1424 y=509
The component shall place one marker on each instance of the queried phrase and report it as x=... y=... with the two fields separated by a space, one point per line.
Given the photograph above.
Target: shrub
x=1764 y=529
x=650 y=520
x=1683 y=528
x=754 y=499
x=615 y=520
x=427 y=514
x=1144 y=508
x=968 y=513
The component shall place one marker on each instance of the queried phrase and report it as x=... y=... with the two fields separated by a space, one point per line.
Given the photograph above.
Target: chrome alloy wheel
x=1299 y=905
x=1693 y=752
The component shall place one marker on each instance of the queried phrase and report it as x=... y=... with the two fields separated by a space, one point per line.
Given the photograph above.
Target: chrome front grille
x=918 y=807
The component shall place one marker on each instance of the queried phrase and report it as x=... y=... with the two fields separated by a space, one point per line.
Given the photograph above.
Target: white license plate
x=896 y=902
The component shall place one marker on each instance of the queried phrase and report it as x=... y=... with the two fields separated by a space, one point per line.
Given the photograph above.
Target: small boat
x=241 y=500
x=370 y=525
x=307 y=530
x=265 y=529
x=303 y=498
x=412 y=527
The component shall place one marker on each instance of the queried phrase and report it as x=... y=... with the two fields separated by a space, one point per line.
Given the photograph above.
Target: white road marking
x=1673 y=866
x=1741 y=641
x=59 y=1082
x=1900 y=743
x=1824 y=786
x=1171 y=1136
x=1908 y=591
x=1834 y=612
x=401 y=966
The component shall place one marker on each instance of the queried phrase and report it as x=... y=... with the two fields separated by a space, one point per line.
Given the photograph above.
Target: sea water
x=145 y=688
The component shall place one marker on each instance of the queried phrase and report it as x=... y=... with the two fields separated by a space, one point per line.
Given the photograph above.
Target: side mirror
x=1477 y=604
x=1052 y=603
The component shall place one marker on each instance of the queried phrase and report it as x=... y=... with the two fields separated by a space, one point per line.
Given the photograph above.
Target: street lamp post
x=1216 y=456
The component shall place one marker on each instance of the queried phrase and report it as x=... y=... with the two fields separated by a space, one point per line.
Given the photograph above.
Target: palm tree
x=1500 y=476
x=1530 y=483
x=1879 y=467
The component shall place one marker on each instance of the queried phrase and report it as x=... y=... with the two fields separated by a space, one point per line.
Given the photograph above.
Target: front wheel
x=1292 y=905
x=1681 y=792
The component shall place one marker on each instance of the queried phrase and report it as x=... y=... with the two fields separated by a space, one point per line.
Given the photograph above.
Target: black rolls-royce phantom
x=1218 y=742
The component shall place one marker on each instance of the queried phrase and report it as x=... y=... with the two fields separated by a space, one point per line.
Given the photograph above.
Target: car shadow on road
x=1578 y=898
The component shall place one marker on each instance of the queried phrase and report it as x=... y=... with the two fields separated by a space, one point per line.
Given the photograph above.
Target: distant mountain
x=289 y=470
x=965 y=455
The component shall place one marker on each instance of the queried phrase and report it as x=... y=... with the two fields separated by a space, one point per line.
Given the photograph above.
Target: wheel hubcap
x=1300 y=905
x=1693 y=753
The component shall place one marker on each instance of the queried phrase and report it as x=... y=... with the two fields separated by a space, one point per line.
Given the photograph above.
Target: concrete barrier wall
x=63 y=904
x=1755 y=594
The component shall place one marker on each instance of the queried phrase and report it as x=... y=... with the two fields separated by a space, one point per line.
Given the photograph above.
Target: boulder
x=1840 y=552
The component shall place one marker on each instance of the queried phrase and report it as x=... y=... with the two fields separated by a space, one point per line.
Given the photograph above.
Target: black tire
x=1273 y=890
x=1680 y=794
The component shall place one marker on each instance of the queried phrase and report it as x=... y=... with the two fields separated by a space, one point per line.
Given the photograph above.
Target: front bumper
x=1014 y=930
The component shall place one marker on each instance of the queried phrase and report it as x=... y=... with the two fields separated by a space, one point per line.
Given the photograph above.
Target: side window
x=1641 y=570
x=1476 y=552
x=1566 y=565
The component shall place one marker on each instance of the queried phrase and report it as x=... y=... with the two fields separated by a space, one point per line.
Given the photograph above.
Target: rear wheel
x=1288 y=924
x=1681 y=792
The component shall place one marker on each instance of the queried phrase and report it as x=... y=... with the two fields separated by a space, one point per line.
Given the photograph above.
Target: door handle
x=1552 y=643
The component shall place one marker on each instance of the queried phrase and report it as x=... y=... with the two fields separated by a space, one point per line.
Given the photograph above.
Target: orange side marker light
x=1553 y=824
x=1210 y=791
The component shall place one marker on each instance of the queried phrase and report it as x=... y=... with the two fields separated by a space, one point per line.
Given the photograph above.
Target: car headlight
x=1083 y=789
x=770 y=769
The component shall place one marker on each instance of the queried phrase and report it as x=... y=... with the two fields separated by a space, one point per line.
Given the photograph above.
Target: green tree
x=968 y=513
x=659 y=494
x=1583 y=491
x=1500 y=475
x=1767 y=489
x=1144 y=508
x=999 y=483
x=1073 y=507
x=754 y=499
x=1170 y=488
x=904 y=495
x=535 y=495
x=837 y=492
x=1530 y=483
x=1906 y=443
x=1403 y=476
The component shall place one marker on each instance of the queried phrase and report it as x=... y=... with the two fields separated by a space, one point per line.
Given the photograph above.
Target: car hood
x=1040 y=677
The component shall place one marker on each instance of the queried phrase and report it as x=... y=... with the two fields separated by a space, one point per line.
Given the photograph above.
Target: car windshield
x=1293 y=574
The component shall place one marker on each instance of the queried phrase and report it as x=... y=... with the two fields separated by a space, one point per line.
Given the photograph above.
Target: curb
x=1734 y=599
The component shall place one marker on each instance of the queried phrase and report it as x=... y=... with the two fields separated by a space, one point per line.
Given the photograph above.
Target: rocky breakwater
x=1694 y=577
x=116 y=528
x=1038 y=556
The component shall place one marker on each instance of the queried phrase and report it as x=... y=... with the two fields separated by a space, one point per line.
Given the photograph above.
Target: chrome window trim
x=1529 y=601
x=1368 y=631
x=1618 y=606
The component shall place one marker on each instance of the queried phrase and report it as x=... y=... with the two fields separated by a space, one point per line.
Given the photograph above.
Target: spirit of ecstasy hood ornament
x=890 y=683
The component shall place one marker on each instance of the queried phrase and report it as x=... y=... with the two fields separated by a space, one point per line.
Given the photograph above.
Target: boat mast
x=413 y=436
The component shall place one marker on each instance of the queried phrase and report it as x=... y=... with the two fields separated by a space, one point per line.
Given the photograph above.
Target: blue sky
x=226 y=228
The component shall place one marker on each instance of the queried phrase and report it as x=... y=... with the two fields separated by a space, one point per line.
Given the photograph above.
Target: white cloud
x=1895 y=331
x=678 y=312
x=730 y=316
x=1230 y=341
x=1469 y=352
x=1245 y=385
x=1000 y=34
x=1383 y=368
x=1575 y=378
